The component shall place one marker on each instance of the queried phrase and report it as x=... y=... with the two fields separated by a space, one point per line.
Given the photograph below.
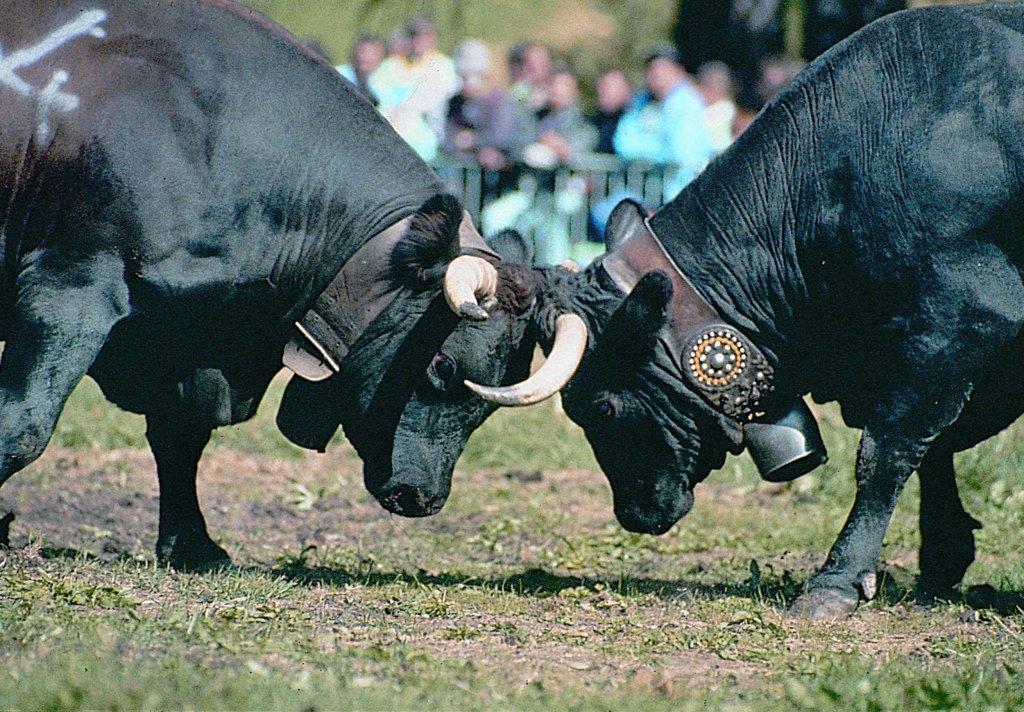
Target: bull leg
x=58 y=327
x=182 y=541
x=883 y=467
x=947 y=530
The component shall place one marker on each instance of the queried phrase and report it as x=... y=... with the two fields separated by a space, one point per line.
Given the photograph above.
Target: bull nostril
x=410 y=501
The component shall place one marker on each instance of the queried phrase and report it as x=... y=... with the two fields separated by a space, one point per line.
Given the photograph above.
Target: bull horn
x=468 y=281
x=565 y=357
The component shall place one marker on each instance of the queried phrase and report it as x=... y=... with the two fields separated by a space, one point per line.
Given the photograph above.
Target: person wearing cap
x=665 y=124
x=483 y=121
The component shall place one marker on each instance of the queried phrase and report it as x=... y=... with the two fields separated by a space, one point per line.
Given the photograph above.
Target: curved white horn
x=468 y=281
x=565 y=357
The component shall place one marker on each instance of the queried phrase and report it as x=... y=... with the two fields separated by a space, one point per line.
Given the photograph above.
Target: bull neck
x=732 y=232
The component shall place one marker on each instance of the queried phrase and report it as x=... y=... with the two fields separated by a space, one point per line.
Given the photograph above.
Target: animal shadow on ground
x=777 y=591
x=895 y=587
x=540 y=583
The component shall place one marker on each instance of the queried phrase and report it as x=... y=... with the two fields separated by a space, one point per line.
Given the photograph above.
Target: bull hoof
x=942 y=572
x=824 y=604
x=196 y=553
x=931 y=593
x=981 y=596
x=6 y=518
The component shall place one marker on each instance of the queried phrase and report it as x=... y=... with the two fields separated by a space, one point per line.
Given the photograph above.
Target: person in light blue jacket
x=665 y=124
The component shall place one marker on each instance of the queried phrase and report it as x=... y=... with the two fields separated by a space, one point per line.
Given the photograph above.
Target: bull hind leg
x=59 y=323
x=947 y=530
x=182 y=540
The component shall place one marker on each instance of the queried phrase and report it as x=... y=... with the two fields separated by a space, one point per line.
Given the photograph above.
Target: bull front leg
x=884 y=463
x=182 y=540
x=947 y=530
x=60 y=320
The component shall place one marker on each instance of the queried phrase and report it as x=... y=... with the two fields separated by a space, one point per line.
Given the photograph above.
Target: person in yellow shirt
x=414 y=85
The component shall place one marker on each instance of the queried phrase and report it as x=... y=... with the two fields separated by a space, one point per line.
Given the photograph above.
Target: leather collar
x=357 y=295
x=722 y=364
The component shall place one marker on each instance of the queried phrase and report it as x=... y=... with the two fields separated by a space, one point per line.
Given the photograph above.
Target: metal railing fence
x=556 y=207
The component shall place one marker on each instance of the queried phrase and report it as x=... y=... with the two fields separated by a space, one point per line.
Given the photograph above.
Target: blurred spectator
x=665 y=124
x=515 y=60
x=431 y=72
x=614 y=95
x=367 y=55
x=776 y=73
x=562 y=132
x=530 y=65
x=391 y=84
x=484 y=121
x=393 y=71
x=715 y=84
x=413 y=86
x=748 y=104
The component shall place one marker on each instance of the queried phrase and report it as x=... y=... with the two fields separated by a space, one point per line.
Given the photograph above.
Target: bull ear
x=430 y=244
x=641 y=315
x=623 y=222
x=512 y=247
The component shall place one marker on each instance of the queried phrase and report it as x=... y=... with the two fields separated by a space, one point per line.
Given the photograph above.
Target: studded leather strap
x=722 y=364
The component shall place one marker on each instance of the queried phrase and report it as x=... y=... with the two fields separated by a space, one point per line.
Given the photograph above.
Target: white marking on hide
x=50 y=97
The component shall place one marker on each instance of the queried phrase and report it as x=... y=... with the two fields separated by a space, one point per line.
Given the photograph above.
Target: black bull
x=866 y=238
x=178 y=182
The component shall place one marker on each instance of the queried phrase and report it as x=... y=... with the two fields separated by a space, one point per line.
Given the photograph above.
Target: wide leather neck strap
x=722 y=364
x=358 y=294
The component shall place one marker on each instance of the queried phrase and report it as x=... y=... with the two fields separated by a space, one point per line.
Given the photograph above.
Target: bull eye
x=443 y=367
x=607 y=408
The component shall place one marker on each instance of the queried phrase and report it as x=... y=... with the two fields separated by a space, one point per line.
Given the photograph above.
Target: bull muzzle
x=787 y=447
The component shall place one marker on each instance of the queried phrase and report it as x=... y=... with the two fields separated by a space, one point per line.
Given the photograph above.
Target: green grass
x=507 y=438
x=523 y=594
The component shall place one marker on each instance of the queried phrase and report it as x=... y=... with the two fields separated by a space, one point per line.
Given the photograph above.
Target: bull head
x=472 y=279
x=404 y=393
x=661 y=381
x=654 y=438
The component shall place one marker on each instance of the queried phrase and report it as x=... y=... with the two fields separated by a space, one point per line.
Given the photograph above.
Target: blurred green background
x=594 y=34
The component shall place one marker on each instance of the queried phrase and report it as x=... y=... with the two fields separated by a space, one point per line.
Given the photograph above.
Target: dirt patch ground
x=523 y=592
x=311 y=521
